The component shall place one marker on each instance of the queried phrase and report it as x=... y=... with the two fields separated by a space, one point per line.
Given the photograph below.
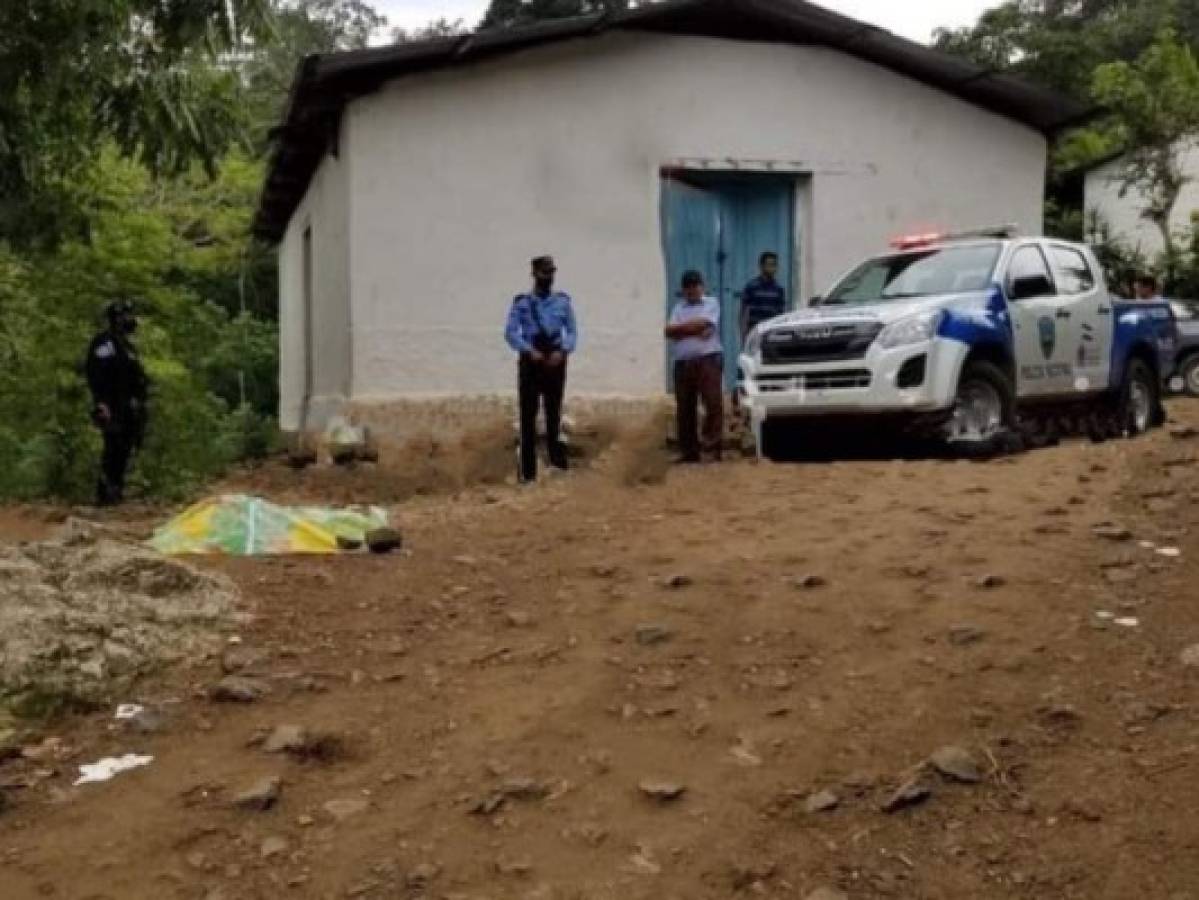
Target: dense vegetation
x=132 y=137
x=1134 y=59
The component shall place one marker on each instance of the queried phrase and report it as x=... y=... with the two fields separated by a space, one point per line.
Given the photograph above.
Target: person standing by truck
x=694 y=333
x=542 y=329
x=763 y=298
x=119 y=390
x=1146 y=289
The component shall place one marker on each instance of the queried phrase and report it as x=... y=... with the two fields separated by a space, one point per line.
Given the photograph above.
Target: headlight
x=753 y=343
x=913 y=330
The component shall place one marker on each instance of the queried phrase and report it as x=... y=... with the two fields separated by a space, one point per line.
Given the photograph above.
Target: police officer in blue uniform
x=763 y=298
x=541 y=328
x=119 y=389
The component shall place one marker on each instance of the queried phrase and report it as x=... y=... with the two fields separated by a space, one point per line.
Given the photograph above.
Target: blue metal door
x=691 y=225
x=756 y=217
x=721 y=226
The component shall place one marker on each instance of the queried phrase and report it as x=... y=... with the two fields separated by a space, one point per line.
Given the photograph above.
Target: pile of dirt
x=82 y=616
x=639 y=448
x=429 y=465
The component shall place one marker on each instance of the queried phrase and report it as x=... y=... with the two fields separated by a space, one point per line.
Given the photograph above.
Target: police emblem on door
x=1048 y=331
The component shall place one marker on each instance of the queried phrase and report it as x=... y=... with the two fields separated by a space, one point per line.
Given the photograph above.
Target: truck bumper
x=860 y=387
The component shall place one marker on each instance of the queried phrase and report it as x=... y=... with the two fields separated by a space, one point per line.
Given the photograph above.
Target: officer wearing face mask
x=541 y=328
x=119 y=387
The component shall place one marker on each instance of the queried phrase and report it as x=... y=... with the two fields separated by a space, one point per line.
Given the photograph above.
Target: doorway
x=307 y=288
x=720 y=223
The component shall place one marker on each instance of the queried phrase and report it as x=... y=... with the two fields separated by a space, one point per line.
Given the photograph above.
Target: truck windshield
x=924 y=273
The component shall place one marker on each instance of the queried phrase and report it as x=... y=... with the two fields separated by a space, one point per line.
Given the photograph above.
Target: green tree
x=507 y=13
x=1154 y=109
x=1060 y=43
x=301 y=28
x=213 y=372
x=438 y=28
x=78 y=74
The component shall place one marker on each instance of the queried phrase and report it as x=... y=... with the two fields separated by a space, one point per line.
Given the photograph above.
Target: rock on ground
x=662 y=791
x=242 y=659
x=261 y=795
x=822 y=801
x=235 y=689
x=911 y=793
x=1111 y=532
x=524 y=788
x=287 y=739
x=84 y=616
x=652 y=634
x=956 y=764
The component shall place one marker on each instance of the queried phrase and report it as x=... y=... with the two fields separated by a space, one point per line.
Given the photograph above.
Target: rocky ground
x=89 y=614
x=870 y=679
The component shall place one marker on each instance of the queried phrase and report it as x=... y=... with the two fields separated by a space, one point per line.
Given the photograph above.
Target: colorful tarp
x=240 y=525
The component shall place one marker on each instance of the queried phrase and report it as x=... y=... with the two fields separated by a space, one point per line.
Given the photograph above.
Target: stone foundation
x=448 y=416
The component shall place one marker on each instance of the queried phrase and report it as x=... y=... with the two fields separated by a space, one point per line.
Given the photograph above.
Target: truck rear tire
x=1139 y=401
x=984 y=412
x=1189 y=373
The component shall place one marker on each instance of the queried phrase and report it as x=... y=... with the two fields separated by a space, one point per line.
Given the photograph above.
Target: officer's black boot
x=558 y=455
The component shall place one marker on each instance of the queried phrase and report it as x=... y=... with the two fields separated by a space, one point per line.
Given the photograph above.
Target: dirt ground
x=491 y=705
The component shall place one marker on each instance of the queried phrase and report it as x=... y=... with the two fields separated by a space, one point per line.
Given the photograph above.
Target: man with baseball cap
x=694 y=333
x=542 y=330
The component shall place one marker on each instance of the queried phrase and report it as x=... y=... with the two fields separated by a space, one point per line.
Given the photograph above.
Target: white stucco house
x=411 y=185
x=1122 y=211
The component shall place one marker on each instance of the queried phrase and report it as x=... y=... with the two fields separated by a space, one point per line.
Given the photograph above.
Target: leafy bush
x=212 y=369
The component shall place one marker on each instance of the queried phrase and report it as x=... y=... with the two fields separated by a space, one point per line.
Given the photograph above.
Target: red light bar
x=911 y=241
x=914 y=241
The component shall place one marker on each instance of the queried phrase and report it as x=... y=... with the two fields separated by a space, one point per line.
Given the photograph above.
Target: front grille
x=815 y=343
x=851 y=379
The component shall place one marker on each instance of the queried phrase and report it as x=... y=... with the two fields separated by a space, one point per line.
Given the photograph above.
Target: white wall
x=325 y=209
x=1123 y=214
x=458 y=177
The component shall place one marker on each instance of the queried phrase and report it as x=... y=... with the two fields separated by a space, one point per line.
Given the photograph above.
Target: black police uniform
x=117 y=381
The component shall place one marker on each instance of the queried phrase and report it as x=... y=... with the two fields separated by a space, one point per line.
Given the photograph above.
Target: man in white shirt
x=694 y=333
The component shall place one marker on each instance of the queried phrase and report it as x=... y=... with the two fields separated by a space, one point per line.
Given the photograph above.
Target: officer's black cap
x=692 y=277
x=119 y=308
x=542 y=263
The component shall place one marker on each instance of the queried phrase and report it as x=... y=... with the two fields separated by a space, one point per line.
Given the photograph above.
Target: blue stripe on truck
x=986 y=322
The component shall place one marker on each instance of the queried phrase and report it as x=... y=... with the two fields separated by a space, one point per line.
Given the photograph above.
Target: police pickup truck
x=972 y=338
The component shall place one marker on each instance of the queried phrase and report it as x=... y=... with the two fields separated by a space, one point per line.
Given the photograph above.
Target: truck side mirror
x=1030 y=286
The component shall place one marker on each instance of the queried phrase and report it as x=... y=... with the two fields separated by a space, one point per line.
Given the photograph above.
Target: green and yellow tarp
x=241 y=525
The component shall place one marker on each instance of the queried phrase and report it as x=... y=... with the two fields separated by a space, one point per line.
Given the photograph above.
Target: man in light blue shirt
x=694 y=333
x=541 y=328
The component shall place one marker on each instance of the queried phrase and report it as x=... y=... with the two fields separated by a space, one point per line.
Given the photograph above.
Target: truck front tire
x=984 y=411
x=773 y=436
